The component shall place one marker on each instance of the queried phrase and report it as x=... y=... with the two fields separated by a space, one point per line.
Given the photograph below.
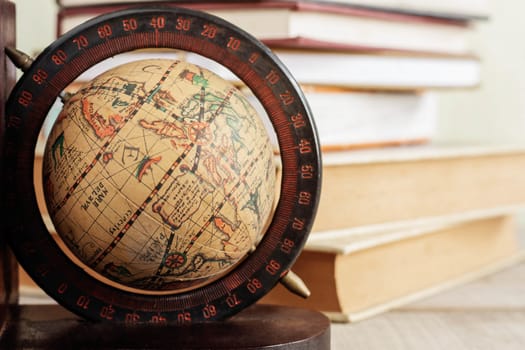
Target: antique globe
x=159 y=175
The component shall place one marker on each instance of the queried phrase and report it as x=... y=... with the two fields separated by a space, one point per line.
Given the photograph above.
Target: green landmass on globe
x=159 y=174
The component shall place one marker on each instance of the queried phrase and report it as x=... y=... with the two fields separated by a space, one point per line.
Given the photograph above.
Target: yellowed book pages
x=362 y=283
x=422 y=183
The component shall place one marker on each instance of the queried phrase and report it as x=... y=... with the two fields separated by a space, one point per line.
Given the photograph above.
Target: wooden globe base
x=257 y=327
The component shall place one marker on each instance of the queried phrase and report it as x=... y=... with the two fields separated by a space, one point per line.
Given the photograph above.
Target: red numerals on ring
x=129 y=24
x=209 y=31
x=104 y=31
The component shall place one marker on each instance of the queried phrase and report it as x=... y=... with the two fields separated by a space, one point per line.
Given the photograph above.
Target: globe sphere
x=159 y=175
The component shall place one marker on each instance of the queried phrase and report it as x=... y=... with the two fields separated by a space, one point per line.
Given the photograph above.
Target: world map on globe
x=159 y=174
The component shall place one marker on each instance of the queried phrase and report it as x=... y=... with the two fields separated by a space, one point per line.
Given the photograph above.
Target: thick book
x=354 y=278
x=371 y=189
x=321 y=22
x=356 y=119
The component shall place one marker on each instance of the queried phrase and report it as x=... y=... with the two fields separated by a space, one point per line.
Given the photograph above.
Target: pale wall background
x=494 y=112
x=36 y=24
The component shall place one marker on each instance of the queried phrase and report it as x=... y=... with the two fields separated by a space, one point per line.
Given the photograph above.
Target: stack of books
x=369 y=72
x=395 y=225
x=400 y=216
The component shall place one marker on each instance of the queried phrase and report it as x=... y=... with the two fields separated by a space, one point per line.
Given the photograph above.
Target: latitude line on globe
x=159 y=185
x=97 y=157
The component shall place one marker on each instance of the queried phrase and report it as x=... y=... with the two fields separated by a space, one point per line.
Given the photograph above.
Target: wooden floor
x=485 y=314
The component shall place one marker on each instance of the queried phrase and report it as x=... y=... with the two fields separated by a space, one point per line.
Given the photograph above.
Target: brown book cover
x=8 y=265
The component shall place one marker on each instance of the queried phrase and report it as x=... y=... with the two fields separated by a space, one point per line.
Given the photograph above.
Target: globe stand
x=92 y=301
x=257 y=327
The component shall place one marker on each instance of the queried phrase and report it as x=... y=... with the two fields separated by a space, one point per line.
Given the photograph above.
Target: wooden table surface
x=486 y=314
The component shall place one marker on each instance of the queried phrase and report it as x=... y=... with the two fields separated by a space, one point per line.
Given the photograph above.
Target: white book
x=348 y=70
x=347 y=119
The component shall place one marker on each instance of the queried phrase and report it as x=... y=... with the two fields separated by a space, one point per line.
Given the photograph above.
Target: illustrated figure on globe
x=159 y=175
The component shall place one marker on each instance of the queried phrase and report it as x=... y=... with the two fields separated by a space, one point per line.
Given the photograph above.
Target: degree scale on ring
x=290 y=280
x=271 y=83
x=23 y=61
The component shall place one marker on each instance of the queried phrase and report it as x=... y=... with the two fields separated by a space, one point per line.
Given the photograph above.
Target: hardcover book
x=369 y=189
x=354 y=278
